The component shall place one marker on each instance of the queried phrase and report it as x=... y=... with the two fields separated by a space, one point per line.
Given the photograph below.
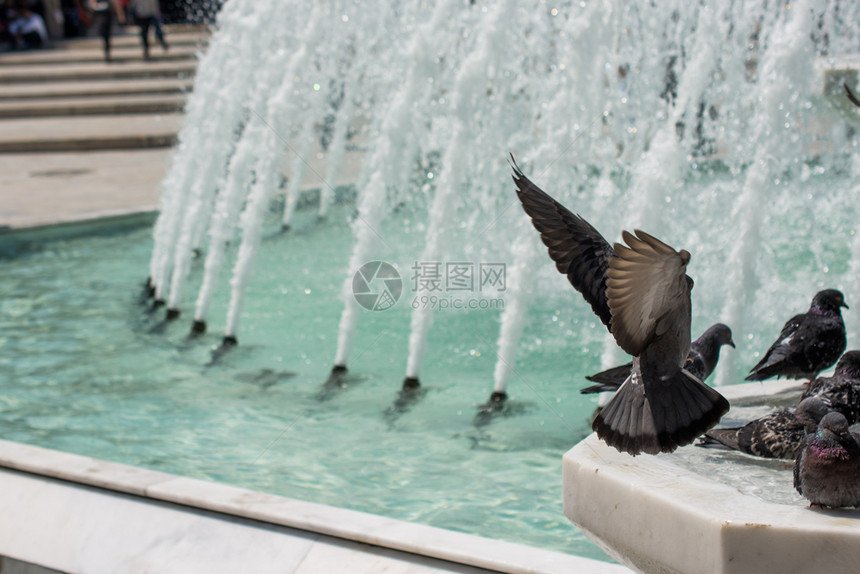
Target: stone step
x=101 y=88
x=59 y=57
x=128 y=36
x=97 y=71
x=93 y=105
x=89 y=133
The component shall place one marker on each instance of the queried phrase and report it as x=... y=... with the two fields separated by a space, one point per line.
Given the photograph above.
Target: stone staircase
x=69 y=99
x=82 y=138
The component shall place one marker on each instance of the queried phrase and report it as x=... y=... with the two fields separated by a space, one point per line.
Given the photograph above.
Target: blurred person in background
x=146 y=14
x=105 y=11
x=27 y=28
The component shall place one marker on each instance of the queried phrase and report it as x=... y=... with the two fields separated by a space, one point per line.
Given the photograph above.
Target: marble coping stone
x=659 y=516
x=339 y=523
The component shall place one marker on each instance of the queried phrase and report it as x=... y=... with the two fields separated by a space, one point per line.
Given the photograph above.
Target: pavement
x=81 y=138
x=65 y=187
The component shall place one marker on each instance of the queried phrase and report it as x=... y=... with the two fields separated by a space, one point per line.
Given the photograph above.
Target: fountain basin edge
x=62 y=511
x=656 y=516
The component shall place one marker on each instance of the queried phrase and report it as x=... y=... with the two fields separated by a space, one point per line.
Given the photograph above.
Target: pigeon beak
x=732 y=343
x=845 y=305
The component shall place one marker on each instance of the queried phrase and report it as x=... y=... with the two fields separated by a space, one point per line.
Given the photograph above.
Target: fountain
x=437 y=94
x=702 y=124
x=716 y=128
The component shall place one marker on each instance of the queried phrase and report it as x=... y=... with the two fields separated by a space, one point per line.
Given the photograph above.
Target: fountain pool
x=721 y=134
x=87 y=369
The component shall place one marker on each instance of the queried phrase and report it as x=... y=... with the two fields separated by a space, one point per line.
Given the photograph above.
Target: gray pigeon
x=641 y=292
x=809 y=342
x=701 y=361
x=779 y=434
x=827 y=471
x=842 y=390
x=851 y=97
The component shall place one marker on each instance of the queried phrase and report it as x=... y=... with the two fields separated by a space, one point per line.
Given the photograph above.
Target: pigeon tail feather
x=726 y=438
x=613 y=377
x=659 y=416
x=773 y=364
x=760 y=375
x=600 y=388
x=716 y=439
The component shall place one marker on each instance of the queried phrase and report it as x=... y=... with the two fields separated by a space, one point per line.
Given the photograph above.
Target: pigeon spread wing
x=579 y=251
x=643 y=296
x=648 y=291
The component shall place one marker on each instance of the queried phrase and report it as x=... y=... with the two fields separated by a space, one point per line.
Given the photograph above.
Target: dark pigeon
x=842 y=390
x=701 y=361
x=779 y=434
x=641 y=292
x=827 y=471
x=808 y=343
x=851 y=97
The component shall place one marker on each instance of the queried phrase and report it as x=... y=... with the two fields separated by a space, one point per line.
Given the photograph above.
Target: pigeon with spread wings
x=641 y=292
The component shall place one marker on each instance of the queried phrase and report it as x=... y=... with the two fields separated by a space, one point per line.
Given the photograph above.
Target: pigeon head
x=716 y=336
x=833 y=425
x=829 y=300
x=849 y=365
x=811 y=410
x=722 y=334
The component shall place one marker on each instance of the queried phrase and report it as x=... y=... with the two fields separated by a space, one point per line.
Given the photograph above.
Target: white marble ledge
x=339 y=523
x=656 y=516
x=80 y=469
x=761 y=391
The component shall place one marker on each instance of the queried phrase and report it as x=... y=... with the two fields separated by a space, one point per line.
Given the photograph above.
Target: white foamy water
x=705 y=125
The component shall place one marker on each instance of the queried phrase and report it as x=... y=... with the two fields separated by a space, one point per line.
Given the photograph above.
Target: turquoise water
x=85 y=368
